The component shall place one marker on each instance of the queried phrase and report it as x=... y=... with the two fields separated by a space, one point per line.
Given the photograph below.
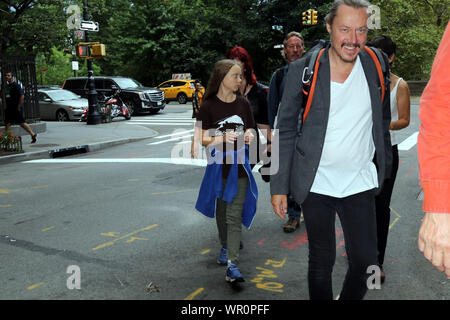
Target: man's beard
x=341 y=57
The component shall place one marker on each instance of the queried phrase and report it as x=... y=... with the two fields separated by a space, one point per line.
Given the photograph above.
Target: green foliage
x=58 y=67
x=149 y=40
x=417 y=27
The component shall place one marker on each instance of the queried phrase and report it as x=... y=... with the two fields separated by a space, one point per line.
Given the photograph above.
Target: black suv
x=139 y=99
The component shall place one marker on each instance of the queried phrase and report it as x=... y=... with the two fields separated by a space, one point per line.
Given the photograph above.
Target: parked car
x=60 y=104
x=138 y=99
x=179 y=90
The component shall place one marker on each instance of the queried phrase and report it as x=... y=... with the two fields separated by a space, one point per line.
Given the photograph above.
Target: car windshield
x=62 y=95
x=127 y=83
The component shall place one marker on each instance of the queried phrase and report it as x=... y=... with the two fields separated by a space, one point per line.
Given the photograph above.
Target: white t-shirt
x=346 y=166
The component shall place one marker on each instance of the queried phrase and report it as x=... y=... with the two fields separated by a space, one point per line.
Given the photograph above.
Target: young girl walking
x=228 y=191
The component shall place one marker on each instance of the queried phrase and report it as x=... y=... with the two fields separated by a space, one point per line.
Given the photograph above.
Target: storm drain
x=64 y=152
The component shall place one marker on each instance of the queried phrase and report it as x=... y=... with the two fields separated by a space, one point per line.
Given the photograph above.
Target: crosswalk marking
x=179 y=120
x=408 y=143
x=172 y=139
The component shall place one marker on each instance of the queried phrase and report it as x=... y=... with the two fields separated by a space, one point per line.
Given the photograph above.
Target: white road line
x=163 y=120
x=408 y=143
x=182 y=161
x=172 y=139
x=162 y=123
x=174 y=134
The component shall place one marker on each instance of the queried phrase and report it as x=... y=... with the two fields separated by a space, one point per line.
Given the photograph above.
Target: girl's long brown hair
x=221 y=68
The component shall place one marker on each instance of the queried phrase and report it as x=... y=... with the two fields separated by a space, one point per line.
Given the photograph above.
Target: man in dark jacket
x=293 y=50
x=327 y=162
x=14 y=102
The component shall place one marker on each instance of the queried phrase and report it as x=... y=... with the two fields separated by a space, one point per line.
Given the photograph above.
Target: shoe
x=34 y=138
x=222 y=260
x=291 y=225
x=382 y=275
x=233 y=274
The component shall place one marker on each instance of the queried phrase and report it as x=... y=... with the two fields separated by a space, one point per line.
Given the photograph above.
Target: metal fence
x=24 y=70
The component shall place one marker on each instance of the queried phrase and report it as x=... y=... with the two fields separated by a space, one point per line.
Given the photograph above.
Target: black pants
x=357 y=216
x=382 y=203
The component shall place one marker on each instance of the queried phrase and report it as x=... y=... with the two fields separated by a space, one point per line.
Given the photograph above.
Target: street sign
x=89 y=26
x=79 y=34
x=75 y=66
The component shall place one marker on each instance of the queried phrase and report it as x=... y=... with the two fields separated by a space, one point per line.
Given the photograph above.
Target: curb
x=48 y=154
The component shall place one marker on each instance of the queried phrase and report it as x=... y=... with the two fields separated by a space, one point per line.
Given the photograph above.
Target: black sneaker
x=34 y=138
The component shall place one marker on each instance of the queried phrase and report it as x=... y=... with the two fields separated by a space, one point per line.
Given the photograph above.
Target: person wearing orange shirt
x=433 y=147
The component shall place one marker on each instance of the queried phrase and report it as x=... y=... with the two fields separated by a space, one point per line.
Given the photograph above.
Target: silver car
x=60 y=104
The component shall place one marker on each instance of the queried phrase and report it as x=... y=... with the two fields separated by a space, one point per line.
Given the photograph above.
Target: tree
x=417 y=27
x=28 y=27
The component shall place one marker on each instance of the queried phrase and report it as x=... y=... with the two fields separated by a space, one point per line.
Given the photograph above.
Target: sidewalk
x=60 y=137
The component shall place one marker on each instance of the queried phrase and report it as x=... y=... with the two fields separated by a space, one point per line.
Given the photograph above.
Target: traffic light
x=98 y=50
x=314 y=17
x=307 y=17
x=90 y=50
x=82 y=50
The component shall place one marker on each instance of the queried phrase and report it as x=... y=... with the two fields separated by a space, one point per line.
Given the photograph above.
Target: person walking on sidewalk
x=400 y=114
x=326 y=154
x=14 y=104
x=293 y=50
x=228 y=190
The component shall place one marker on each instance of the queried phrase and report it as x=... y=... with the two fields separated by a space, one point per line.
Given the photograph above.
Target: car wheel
x=61 y=115
x=130 y=106
x=182 y=98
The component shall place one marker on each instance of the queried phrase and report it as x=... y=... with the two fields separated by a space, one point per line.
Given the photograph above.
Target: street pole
x=93 y=116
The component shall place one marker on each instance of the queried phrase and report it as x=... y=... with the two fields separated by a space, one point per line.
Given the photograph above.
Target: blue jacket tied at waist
x=211 y=187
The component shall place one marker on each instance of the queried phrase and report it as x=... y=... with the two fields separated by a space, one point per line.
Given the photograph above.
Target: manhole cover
x=44 y=145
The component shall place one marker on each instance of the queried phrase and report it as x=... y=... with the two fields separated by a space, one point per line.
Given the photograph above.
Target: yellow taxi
x=179 y=90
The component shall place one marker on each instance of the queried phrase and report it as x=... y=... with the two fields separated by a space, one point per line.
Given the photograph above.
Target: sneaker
x=222 y=260
x=34 y=138
x=233 y=274
x=291 y=225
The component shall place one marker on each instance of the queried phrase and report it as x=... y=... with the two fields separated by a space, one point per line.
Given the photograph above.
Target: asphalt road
x=123 y=218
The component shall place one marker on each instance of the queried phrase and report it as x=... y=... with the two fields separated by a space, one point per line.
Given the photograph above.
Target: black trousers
x=357 y=216
x=382 y=204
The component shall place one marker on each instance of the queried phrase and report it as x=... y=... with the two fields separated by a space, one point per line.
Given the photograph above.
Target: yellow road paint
x=48 y=228
x=110 y=243
x=171 y=192
x=206 y=251
x=193 y=294
x=4 y=191
x=132 y=239
x=39 y=187
x=110 y=234
x=133 y=180
x=34 y=286
x=5 y=205
x=396 y=219
x=6 y=181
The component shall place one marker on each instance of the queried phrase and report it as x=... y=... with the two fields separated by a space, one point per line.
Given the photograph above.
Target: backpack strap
x=279 y=74
x=381 y=68
x=314 y=61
